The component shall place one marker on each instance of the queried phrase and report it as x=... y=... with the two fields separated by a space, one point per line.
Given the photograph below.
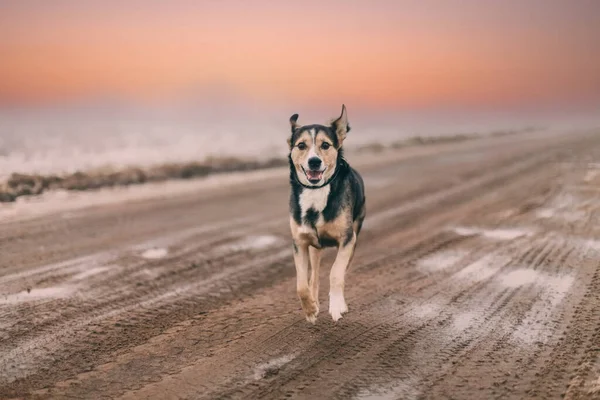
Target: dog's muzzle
x=314 y=173
x=314 y=177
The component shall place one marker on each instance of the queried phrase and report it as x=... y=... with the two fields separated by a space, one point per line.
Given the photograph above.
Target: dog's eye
x=325 y=146
x=302 y=146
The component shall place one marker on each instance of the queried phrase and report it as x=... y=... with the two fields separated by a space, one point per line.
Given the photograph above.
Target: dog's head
x=315 y=149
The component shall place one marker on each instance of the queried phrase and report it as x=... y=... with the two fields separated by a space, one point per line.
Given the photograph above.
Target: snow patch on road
x=536 y=326
x=545 y=213
x=520 y=277
x=565 y=215
x=424 y=311
x=73 y=265
x=38 y=294
x=566 y=207
x=590 y=244
x=440 y=260
x=259 y=242
x=154 y=254
x=405 y=389
x=464 y=231
x=463 y=321
x=482 y=269
x=272 y=367
x=590 y=175
x=91 y=272
x=499 y=234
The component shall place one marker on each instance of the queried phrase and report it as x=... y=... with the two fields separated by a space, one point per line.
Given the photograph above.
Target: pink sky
x=373 y=53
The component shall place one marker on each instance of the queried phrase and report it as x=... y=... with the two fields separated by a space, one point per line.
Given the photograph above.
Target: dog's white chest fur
x=314 y=198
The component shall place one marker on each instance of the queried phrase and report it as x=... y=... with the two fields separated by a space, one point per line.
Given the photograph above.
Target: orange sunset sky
x=378 y=53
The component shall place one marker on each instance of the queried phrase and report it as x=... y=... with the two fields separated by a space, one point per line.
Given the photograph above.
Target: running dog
x=327 y=209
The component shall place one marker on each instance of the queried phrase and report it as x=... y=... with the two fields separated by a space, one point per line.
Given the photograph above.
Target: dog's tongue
x=314 y=175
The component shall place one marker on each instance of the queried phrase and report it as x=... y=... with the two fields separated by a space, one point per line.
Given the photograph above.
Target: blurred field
x=19 y=184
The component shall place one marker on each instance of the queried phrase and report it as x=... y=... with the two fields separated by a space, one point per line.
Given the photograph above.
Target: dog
x=327 y=209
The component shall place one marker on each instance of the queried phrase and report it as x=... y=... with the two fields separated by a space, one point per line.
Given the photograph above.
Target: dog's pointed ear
x=340 y=126
x=294 y=122
x=295 y=126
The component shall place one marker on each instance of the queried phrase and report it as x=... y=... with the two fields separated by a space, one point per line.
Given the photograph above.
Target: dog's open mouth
x=314 y=176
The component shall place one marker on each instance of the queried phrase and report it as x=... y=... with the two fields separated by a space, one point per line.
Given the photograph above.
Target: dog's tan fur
x=308 y=237
x=313 y=146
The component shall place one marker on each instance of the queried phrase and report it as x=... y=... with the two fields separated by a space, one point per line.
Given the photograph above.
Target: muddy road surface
x=477 y=276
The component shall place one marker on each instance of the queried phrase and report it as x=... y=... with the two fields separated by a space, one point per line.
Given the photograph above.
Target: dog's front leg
x=301 y=259
x=315 y=263
x=337 y=303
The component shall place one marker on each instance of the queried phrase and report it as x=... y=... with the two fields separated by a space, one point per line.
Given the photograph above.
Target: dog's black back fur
x=346 y=194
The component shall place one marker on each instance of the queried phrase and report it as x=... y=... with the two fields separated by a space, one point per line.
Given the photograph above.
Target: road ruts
x=477 y=276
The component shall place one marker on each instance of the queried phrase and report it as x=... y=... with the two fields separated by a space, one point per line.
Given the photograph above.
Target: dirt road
x=477 y=276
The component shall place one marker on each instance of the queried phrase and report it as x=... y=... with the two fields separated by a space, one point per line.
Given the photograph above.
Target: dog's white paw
x=337 y=306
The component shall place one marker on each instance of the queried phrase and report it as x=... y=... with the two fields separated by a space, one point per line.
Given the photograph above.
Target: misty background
x=91 y=84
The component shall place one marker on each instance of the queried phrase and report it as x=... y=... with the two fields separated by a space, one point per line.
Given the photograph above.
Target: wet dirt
x=477 y=276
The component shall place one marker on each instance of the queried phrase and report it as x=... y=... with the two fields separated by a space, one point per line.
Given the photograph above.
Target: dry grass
x=428 y=140
x=27 y=184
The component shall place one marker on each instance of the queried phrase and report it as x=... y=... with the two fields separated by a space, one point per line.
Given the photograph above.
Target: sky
x=372 y=54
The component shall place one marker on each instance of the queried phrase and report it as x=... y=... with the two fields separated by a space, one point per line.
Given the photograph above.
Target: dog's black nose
x=314 y=163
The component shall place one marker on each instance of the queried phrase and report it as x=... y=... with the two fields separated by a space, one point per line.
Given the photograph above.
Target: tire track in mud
x=397 y=350
x=144 y=218
x=507 y=298
x=41 y=349
x=113 y=308
x=329 y=346
x=578 y=330
x=128 y=256
x=408 y=255
x=509 y=371
x=289 y=336
x=112 y=256
x=123 y=308
x=105 y=258
x=110 y=301
x=373 y=342
x=496 y=322
x=234 y=317
x=527 y=373
x=375 y=267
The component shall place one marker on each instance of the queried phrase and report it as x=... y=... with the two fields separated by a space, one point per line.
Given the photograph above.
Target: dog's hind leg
x=337 y=303
x=315 y=263
x=301 y=259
